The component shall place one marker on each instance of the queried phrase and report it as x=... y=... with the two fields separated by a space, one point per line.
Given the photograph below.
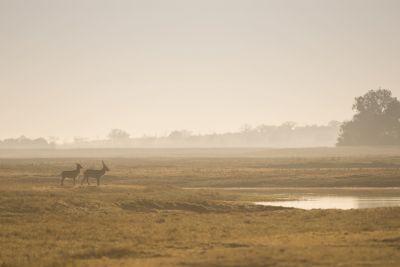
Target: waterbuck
x=71 y=174
x=94 y=174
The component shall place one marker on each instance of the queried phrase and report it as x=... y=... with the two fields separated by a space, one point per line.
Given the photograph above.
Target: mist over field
x=283 y=136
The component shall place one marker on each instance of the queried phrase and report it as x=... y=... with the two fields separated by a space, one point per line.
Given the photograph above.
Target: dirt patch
x=198 y=207
x=113 y=253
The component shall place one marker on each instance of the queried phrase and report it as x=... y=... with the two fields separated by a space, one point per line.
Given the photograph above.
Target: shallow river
x=336 y=202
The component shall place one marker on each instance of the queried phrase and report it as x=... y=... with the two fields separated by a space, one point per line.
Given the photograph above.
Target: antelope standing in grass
x=71 y=174
x=94 y=174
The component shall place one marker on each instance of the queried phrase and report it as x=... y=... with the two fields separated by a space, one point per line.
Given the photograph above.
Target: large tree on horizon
x=376 y=122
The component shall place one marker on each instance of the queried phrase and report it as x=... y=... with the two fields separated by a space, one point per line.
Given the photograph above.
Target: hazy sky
x=80 y=68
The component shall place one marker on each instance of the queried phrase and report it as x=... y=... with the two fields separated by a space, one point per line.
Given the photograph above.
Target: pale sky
x=80 y=68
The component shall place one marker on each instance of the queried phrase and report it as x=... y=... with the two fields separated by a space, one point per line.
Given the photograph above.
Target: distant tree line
x=376 y=122
x=26 y=143
x=286 y=135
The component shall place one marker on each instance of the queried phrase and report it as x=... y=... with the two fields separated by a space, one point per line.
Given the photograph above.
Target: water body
x=336 y=202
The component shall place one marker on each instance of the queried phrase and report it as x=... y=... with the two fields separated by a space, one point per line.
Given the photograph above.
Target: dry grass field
x=178 y=212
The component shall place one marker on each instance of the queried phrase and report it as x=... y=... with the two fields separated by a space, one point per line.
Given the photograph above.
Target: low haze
x=82 y=68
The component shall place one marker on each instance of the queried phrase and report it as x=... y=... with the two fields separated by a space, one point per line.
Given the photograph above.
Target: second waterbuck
x=94 y=174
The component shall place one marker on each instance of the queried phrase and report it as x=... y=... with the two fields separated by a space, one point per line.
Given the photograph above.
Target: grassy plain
x=151 y=212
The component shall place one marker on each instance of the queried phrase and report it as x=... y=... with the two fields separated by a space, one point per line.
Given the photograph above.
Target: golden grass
x=142 y=216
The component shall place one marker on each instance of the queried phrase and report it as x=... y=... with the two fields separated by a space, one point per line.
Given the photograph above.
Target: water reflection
x=336 y=202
